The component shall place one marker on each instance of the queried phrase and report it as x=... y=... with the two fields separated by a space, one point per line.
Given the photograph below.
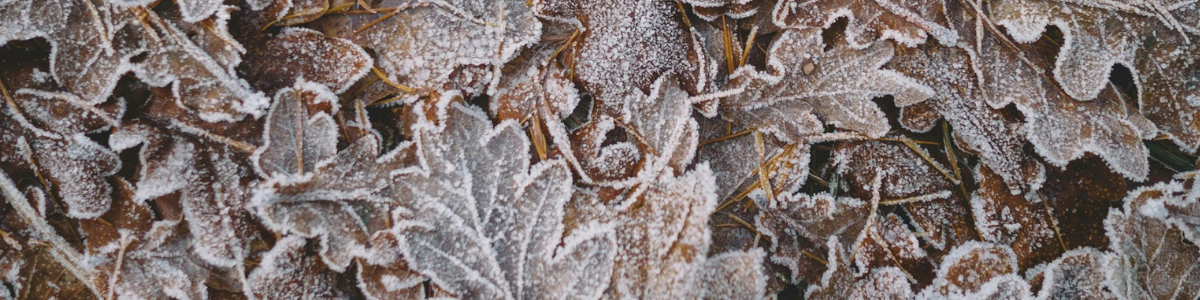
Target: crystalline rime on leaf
x=484 y=224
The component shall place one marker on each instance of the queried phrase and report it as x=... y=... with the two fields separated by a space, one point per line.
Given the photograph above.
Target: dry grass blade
x=749 y=43
x=383 y=76
x=764 y=177
x=71 y=261
x=929 y=160
x=726 y=137
x=1053 y=223
x=876 y=185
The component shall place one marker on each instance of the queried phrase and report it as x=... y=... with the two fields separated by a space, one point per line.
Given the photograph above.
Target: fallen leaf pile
x=599 y=149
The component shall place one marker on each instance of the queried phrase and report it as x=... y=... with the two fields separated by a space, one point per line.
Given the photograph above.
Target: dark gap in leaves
x=1054 y=34
x=1011 y=112
x=834 y=32
x=484 y=102
x=349 y=278
x=758 y=55
x=100 y=137
x=1122 y=78
x=130 y=163
x=616 y=135
x=818 y=161
x=888 y=105
x=389 y=124
x=582 y=113
x=25 y=51
x=793 y=291
x=1082 y=196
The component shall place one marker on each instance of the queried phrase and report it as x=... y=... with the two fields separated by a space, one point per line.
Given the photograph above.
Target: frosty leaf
x=125 y=214
x=199 y=83
x=733 y=159
x=1102 y=128
x=976 y=270
x=664 y=240
x=1153 y=259
x=1060 y=128
x=295 y=139
x=484 y=224
x=712 y=9
x=839 y=281
x=889 y=243
x=730 y=275
x=291 y=271
x=1169 y=86
x=658 y=133
x=211 y=34
x=922 y=187
x=74 y=165
x=800 y=225
x=323 y=199
x=530 y=84
x=1147 y=37
x=803 y=83
x=146 y=259
x=1078 y=274
x=663 y=124
x=157 y=265
x=1181 y=211
x=386 y=275
x=209 y=182
x=64 y=113
x=453 y=34
x=304 y=53
x=1013 y=220
x=293 y=12
x=977 y=126
x=197 y=10
x=1094 y=40
x=906 y=22
x=618 y=60
x=88 y=58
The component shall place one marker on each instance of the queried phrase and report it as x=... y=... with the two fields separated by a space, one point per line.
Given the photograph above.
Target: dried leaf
x=454 y=34
x=618 y=60
x=803 y=84
x=208 y=180
x=839 y=281
x=1078 y=274
x=292 y=271
x=484 y=224
x=976 y=270
x=906 y=22
x=1153 y=258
